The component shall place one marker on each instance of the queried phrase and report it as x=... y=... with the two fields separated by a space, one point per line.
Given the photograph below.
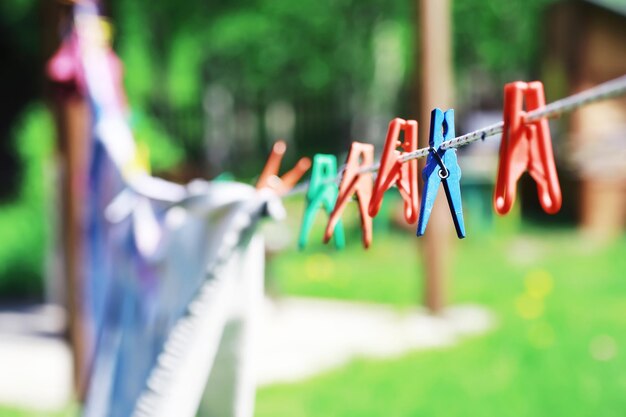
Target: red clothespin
x=526 y=146
x=392 y=171
x=361 y=155
x=269 y=176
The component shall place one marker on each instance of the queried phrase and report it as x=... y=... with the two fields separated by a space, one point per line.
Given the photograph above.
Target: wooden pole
x=72 y=120
x=74 y=117
x=436 y=90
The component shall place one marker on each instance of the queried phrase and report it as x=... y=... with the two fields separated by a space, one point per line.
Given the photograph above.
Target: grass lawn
x=559 y=348
x=12 y=412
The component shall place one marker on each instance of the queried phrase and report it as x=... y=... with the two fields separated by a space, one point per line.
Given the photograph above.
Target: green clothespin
x=322 y=191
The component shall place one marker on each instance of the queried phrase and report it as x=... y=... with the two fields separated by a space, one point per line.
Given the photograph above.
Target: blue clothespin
x=323 y=192
x=441 y=167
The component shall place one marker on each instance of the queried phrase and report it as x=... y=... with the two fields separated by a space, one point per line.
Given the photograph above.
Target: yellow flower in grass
x=529 y=307
x=319 y=267
x=538 y=283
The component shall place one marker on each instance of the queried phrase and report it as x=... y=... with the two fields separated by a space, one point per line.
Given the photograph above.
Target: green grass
x=559 y=348
x=71 y=411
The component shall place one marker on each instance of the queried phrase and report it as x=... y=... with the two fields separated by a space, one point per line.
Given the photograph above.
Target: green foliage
x=16 y=10
x=163 y=153
x=137 y=53
x=315 y=55
x=23 y=221
x=260 y=51
x=184 y=87
x=19 y=20
x=259 y=47
x=500 y=38
x=311 y=51
x=281 y=47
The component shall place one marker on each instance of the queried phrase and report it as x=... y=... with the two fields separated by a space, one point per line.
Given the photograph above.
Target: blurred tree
x=320 y=58
x=316 y=55
x=19 y=36
x=312 y=54
x=497 y=41
x=24 y=222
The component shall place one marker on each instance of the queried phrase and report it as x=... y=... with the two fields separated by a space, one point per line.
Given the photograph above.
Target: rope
x=601 y=92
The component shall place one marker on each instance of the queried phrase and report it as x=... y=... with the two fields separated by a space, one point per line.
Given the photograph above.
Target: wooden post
x=73 y=130
x=72 y=120
x=436 y=90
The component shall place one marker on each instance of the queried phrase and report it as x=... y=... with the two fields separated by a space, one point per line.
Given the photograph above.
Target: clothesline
x=601 y=92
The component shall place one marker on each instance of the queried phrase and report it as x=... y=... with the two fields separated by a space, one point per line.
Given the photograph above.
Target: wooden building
x=585 y=46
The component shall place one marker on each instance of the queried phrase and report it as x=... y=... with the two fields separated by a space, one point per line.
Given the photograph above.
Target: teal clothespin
x=323 y=191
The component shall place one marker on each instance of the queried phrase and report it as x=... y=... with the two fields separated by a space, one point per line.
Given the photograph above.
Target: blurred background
x=212 y=84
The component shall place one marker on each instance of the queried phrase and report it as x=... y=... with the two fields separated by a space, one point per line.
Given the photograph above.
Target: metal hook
x=443 y=172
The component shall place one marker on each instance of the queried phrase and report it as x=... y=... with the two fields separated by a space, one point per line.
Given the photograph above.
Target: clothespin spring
x=443 y=172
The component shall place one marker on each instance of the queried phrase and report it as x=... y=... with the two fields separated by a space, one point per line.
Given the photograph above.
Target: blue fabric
x=144 y=267
x=145 y=296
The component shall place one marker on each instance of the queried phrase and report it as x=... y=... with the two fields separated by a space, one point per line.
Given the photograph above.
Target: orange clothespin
x=269 y=176
x=525 y=146
x=354 y=182
x=392 y=171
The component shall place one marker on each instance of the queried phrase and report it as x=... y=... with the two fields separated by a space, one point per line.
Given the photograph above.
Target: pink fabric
x=65 y=67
